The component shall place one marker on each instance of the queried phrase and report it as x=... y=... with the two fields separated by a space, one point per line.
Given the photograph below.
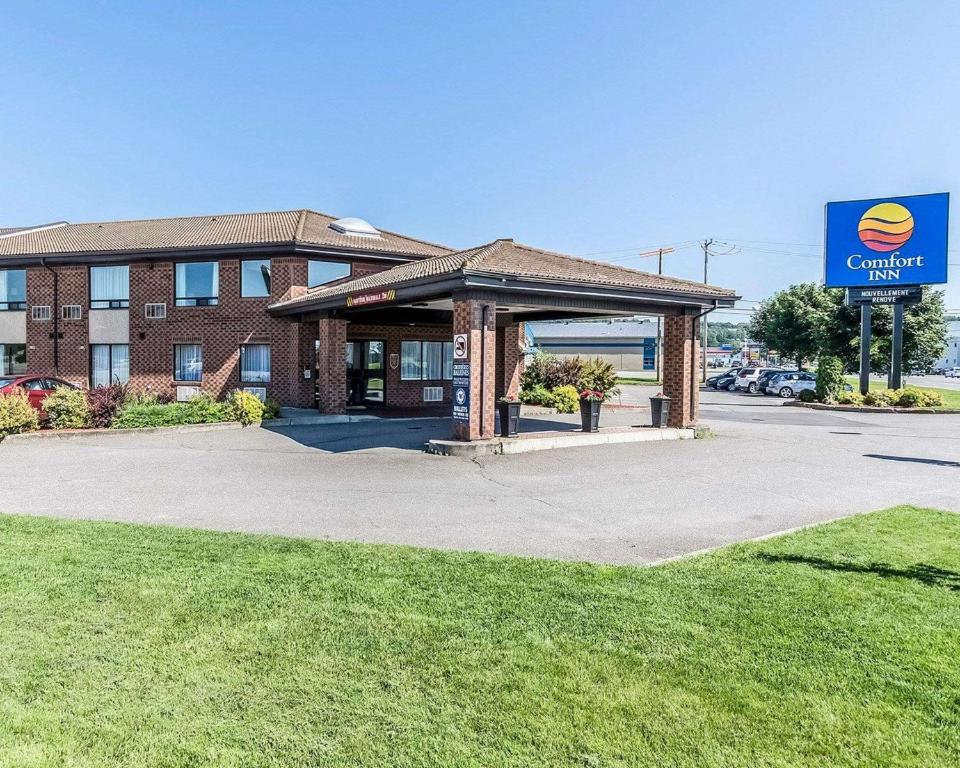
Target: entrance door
x=366 y=383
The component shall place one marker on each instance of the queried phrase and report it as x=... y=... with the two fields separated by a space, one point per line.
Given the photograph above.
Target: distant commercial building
x=951 y=355
x=629 y=344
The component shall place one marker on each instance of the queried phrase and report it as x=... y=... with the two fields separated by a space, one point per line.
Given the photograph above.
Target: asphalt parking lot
x=770 y=468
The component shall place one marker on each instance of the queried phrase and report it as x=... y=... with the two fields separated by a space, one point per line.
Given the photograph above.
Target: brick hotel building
x=311 y=310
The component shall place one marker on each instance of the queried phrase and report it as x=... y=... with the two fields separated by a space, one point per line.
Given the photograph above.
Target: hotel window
x=110 y=287
x=255 y=363
x=13 y=289
x=254 y=278
x=13 y=359
x=426 y=360
x=187 y=362
x=320 y=272
x=109 y=364
x=197 y=284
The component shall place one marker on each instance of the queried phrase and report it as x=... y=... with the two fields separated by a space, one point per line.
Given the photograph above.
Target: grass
x=951 y=397
x=652 y=380
x=137 y=646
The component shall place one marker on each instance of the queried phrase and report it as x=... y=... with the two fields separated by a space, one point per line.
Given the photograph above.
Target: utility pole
x=703 y=338
x=659 y=326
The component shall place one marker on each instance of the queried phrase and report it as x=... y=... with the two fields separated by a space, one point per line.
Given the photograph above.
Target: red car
x=36 y=387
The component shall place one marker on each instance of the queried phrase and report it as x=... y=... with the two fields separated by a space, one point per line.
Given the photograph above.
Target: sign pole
x=896 y=348
x=866 y=311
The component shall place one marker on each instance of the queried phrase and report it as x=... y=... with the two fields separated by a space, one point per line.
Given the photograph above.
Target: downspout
x=56 y=315
x=483 y=365
x=694 y=358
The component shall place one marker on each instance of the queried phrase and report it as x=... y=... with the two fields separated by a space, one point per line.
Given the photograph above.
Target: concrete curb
x=321 y=419
x=871 y=408
x=70 y=434
x=511 y=445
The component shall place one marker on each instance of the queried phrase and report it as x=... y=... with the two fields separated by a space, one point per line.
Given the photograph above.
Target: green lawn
x=138 y=646
x=651 y=380
x=951 y=397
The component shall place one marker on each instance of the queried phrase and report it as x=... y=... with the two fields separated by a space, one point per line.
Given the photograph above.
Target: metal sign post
x=896 y=349
x=866 y=313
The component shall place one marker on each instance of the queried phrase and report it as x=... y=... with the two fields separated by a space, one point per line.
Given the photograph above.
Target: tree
x=792 y=321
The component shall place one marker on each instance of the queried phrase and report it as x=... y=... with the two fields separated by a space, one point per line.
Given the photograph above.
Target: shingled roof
x=510 y=259
x=297 y=227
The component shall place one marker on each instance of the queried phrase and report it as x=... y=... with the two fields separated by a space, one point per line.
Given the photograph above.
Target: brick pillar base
x=468 y=318
x=332 y=366
x=509 y=360
x=681 y=369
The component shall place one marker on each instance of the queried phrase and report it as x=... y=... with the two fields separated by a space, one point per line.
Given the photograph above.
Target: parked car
x=791 y=384
x=765 y=378
x=714 y=381
x=952 y=373
x=36 y=387
x=747 y=378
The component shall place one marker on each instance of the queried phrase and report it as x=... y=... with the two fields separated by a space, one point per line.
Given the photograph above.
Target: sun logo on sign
x=885 y=227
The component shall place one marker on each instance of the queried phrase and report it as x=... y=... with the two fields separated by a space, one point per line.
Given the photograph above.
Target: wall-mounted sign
x=361 y=299
x=908 y=294
x=460 y=346
x=394 y=361
x=461 y=392
x=887 y=241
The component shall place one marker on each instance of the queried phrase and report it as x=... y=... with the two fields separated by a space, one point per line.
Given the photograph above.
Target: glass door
x=365 y=372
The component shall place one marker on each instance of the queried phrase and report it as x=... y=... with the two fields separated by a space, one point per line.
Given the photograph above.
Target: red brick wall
x=399 y=393
x=509 y=360
x=331 y=366
x=468 y=318
x=681 y=369
x=73 y=349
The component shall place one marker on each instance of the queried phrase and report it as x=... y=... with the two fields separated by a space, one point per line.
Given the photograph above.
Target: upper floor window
x=197 y=284
x=13 y=289
x=110 y=287
x=320 y=272
x=254 y=278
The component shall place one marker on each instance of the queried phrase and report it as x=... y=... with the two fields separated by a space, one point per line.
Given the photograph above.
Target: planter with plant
x=659 y=410
x=590 y=402
x=508 y=409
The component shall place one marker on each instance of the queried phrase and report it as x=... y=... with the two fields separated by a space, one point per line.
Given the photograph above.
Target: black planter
x=509 y=419
x=590 y=415
x=660 y=411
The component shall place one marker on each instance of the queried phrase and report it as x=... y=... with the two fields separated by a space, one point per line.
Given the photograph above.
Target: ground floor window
x=255 y=363
x=426 y=360
x=187 y=362
x=13 y=359
x=109 y=364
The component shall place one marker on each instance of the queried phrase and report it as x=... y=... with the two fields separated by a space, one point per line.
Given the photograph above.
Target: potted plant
x=659 y=409
x=508 y=408
x=590 y=401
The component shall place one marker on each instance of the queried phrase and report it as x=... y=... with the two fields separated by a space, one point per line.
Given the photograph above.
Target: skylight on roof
x=355 y=227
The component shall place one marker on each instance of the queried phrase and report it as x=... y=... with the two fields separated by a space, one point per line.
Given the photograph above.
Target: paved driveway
x=770 y=468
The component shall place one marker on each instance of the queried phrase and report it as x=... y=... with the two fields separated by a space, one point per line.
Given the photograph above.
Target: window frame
x=446 y=360
x=109 y=364
x=109 y=303
x=15 y=306
x=269 y=371
x=347 y=264
x=6 y=359
x=176 y=378
x=195 y=301
x=269 y=292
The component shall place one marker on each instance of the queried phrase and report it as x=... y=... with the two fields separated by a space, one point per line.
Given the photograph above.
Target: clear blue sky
x=581 y=127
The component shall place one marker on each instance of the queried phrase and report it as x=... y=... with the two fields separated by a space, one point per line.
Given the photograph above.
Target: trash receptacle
x=660 y=410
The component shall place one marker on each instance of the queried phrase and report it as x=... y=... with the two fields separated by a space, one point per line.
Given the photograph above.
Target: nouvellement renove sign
x=359 y=299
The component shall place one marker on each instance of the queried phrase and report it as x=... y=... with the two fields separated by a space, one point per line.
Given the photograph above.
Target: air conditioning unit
x=155 y=311
x=71 y=311
x=433 y=394
x=259 y=392
x=186 y=393
x=40 y=313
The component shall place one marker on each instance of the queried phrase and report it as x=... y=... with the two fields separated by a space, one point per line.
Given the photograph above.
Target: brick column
x=332 y=366
x=468 y=318
x=509 y=359
x=681 y=369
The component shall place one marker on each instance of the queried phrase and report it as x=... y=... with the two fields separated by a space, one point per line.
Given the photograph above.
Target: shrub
x=140 y=415
x=830 y=381
x=850 y=398
x=105 y=403
x=566 y=399
x=807 y=396
x=930 y=399
x=879 y=398
x=16 y=414
x=598 y=376
x=909 y=398
x=145 y=397
x=244 y=407
x=67 y=408
x=202 y=408
x=537 y=396
x=549 y=372
x=271 y=409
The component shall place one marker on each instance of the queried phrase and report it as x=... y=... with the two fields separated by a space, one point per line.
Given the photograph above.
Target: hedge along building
x=312 y=310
